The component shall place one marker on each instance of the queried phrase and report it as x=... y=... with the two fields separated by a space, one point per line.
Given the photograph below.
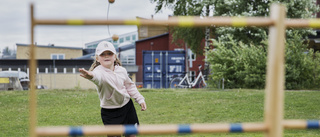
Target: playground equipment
x=273 y=124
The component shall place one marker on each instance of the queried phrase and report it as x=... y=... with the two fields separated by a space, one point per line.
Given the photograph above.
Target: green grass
x=165 y=106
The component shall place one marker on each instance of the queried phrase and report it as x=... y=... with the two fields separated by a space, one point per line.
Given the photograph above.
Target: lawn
x=165 y=106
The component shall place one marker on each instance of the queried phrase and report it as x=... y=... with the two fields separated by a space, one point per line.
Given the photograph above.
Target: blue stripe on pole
x=184 y=129
x=130 y=130
x=75 y=131
x=236 y=128
x=312 y=124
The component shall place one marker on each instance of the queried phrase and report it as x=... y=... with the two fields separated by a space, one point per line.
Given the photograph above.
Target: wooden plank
x=274 y=98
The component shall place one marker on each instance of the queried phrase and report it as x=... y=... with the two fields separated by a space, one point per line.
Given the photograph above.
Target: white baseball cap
x=105 y=46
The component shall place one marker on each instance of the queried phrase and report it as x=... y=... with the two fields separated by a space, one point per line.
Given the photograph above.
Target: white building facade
x=130 y=37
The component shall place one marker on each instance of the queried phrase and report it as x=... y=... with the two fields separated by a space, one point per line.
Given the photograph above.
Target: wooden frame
x=273 y=124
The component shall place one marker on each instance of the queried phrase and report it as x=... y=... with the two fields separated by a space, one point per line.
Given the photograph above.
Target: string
x=107 y=17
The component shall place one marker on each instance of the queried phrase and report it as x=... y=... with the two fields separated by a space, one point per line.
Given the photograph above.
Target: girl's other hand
x=143 y=106
x=86 y=74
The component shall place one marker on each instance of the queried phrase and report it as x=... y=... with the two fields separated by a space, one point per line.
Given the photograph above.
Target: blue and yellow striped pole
x=171 y=129
x=301 y=124
x=151 y=129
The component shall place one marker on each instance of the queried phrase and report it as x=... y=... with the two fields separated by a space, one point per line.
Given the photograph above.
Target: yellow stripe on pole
x=185 y=21
x=75 y=22
x=238 y=21
x=132 y=22
x=314 y=23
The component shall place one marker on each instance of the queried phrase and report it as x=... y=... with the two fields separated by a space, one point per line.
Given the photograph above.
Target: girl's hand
x=143 y=106
x=86 y=74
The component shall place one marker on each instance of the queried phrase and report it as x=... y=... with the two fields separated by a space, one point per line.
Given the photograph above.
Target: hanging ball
x=115 y=37
x=111 y=1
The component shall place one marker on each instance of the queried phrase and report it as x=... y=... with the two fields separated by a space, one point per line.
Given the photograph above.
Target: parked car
x=22 y=77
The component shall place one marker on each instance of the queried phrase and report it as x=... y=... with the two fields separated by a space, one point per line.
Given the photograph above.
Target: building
x=130 y=37
x=126 y=54
x=150 y=31
x=57 y=67
x=164 y=42
x=126 y=48
x=48 y=52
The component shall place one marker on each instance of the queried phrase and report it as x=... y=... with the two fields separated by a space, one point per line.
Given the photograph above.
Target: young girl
x=114 y=87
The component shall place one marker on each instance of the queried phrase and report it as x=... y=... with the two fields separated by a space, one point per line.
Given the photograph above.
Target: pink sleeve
x=133 y=91
x=96 y=78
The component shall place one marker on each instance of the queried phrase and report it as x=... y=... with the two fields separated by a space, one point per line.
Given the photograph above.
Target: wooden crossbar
x=186 y=21
x=301 y=124
x=171 y=128
x=183 y=21
x=151 y=129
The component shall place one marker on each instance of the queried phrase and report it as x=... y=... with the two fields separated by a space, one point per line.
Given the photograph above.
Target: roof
x=90 y=56
x=50 y=46
x=126 y=47
x=110 y=38
x=153 y=37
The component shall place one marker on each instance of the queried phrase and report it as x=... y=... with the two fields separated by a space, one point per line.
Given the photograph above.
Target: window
x=57 y=56
x=133 y=37
x=143 y=31
x=121 y=40
x=116 y=45
x=128 y=38
x=92 y=46
x=178 y=49
x=192 y=55
x=192 y=75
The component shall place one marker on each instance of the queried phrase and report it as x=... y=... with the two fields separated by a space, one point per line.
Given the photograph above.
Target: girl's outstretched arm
x=86 y=74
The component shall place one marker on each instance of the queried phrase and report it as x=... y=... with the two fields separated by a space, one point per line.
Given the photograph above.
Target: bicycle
x=185 y=82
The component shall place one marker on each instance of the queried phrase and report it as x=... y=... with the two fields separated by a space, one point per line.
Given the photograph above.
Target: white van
x=20 y=75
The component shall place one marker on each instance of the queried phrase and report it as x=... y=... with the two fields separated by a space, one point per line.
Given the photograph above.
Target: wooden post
x=33 y=93
x=274 y=99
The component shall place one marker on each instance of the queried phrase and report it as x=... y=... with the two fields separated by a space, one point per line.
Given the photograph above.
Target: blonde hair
x=96 y=63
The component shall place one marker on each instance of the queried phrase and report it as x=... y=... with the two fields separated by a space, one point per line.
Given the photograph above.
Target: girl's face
x=106 y=59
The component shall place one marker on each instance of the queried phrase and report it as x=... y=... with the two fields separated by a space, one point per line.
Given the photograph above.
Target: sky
x=15 y=20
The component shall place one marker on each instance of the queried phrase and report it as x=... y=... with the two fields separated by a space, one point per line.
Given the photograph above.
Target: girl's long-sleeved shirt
x=115 y=87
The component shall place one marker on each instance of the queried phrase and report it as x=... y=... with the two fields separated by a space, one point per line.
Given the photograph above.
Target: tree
x=246 y=35
x=6 y=51
x=241 y=52
x=192 y=36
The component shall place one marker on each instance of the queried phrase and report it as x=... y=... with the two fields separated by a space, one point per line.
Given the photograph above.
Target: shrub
x=302 y=65
x=244 y=66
